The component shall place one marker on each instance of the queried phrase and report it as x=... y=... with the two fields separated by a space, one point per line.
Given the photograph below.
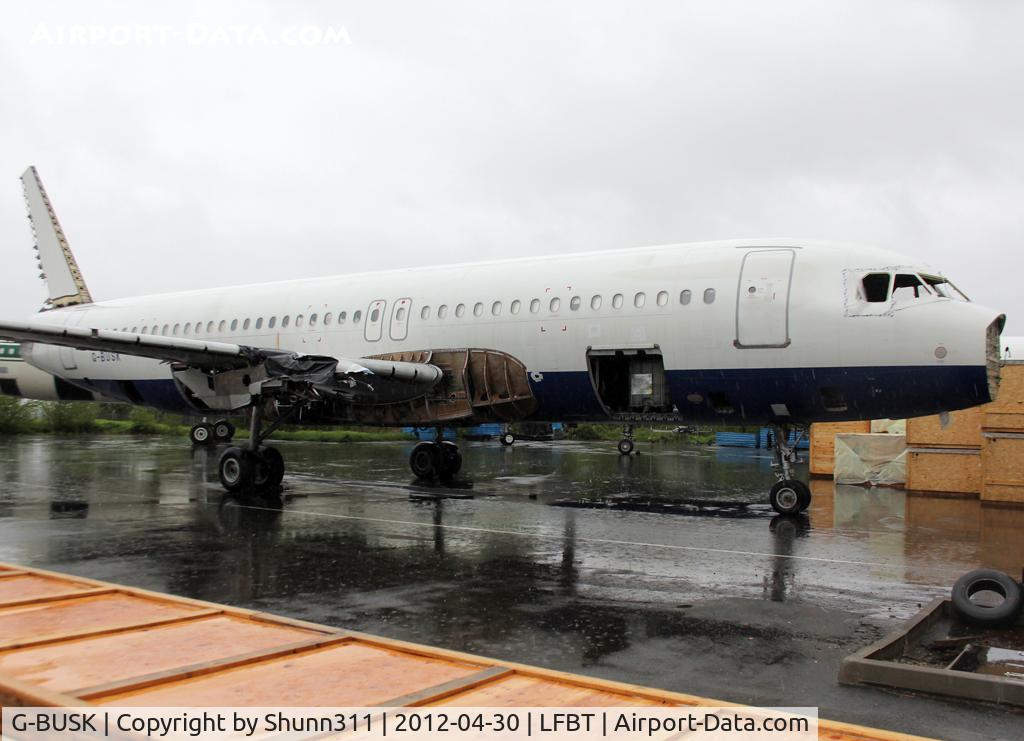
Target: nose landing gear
x=788 y=496
x=626 y=443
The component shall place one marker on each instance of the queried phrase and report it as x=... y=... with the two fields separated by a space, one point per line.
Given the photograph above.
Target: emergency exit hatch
x=629 y=381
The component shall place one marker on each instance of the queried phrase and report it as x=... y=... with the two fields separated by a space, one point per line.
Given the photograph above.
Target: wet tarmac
x=665 y=569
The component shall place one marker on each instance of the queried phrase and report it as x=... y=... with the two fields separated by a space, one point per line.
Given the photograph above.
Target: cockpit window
x=908 y=286
x=876 y=287
x=944 y=288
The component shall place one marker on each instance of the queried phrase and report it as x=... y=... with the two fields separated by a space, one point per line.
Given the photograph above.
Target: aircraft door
x=762 y=303
x=374 y=326
x=400 y=319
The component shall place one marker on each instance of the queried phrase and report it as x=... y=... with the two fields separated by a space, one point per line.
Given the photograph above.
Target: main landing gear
x=206 y=433
x=440 y=459
x=788 y=496
x=254 y=466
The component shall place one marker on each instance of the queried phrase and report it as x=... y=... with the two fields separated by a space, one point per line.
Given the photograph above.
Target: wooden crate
x=1011 y=389
x=1004 y=421
x=1002 y=461
x=962 y=431
x=951 y=470
x=823 y=443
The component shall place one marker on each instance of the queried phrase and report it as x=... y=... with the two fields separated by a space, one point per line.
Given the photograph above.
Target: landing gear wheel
x=625 y=446
x=223 y=431
x=450 y=459
x=236 y=469
x=201 y=434
x=424 y=460
x=987 y=580
x=507 y=438
x=789 y=497
x=271 y=467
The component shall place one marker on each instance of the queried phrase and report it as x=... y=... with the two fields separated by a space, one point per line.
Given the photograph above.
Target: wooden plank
x=57 y=597
x=1004 y=422
x=16 y=693
x=522 y=691
x=1002 y=460
x=438 y=692
x=823 y=443
x=1011 y=390
x=209 y=666
x=962 y=430
x=27 y=585
x=98 y=630
x=950 y=470
x=12 y=572
x=71 y=665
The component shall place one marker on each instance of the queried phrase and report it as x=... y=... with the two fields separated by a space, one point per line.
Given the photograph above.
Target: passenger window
x=400 y=314
x=342 y=315
x=685 y=296
x=478 y=309
x=259 y=322
x=356 y=316
x=496 y=308
x=595 y=302
x=285 y=320
x=271 y=322
x=515 y=306
x=312 y=320
x=907 y=286
x=639 y=300
x=460 y=310
x=209 y=327
x=177 y=329
x=188 y=326
x=234 y=324
x=375 y=315
x=145 y=330
x=245 y=324
x=535 y=306
x=425 y=312
x=135 y=329
x=298 y=320
x=442 y=311
x=709 y=296
x=662 y=298
x=327 y=318
x=574 y=303
x=617 y=301
x=876 y=287
x=555 y=304
x=221 y=326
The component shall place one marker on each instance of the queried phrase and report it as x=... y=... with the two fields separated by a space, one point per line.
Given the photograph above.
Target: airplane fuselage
x=728 y=332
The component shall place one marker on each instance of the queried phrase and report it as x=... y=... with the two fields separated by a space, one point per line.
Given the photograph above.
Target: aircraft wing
x=324 y=372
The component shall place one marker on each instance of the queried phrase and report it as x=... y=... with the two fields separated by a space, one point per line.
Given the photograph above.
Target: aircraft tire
x=989 y=580
x=424 y=461
x=223 y=431
x=272 y=464
x=789 y=497
x=201 y=434
x=450 y=459
x=625 y=446
x=507 y=438
x=236 y=469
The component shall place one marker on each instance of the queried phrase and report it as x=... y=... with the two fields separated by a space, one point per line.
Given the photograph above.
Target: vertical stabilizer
x=60 y=271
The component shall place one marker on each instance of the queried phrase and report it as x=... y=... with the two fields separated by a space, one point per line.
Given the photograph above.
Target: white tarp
x=891 y=426
x=871 y=458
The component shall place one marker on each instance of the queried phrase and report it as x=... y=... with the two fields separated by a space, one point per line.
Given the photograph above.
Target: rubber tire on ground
x=272 y=467
x=450 y=459
x=223 y=431
x=507 y=438
x=201 y=434
x=236 y=469
x=987 y=579
x=625 y=446
x=805 y=493
x=787 y=497
x=423 y=460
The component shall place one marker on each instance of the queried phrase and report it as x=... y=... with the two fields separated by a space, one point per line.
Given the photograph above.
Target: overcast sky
x=186 y=149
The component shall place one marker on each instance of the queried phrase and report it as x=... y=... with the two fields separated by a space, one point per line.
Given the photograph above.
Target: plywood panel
x=30 y=586
x=1004 y=421
x=533 y=691
x=952 y=470
x=823 y=443
x=87 y=613
x=1003 y=467
x=963 y=430
x=344 y=675
x=81 y=663
x=1010 y=398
